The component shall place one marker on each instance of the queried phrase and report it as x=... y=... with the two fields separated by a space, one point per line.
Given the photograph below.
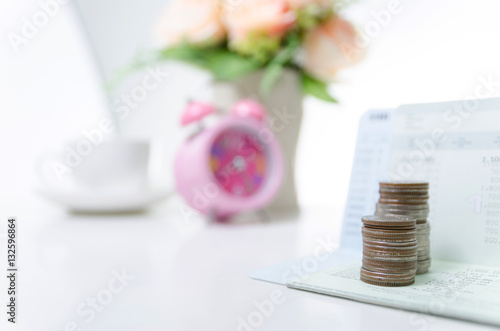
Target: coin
x=377 y=274
x=404 y=201
x=420 y=214
x=390 y=232
x=390 y=192
x=387 y=283
x=423 y=243
x=383 y=269
x=423 y=227
x=389 y=265
x=390 y=243
x=386 y=235
x=424 y=257
x=413 y=258
x=423 y=266
x=397 y=206
x=387 y=279
x=398 y=199
x=389 y=221
x=396 y=249
x=404 y=184
x=402 y=253
x=394 y=267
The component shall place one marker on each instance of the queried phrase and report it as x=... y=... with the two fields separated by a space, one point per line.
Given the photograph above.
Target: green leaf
x=184 y=52
x=274 y=69
x=226 y=65
x=141 y=61
x=312 y=15
x=258 y=46
x=272 y=73
x=317 y=88
x=197 y=56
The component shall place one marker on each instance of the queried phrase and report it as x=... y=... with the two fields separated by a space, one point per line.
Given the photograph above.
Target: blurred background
x=52 y=87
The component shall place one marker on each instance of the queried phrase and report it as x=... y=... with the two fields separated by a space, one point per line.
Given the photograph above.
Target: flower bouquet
x=233 y=38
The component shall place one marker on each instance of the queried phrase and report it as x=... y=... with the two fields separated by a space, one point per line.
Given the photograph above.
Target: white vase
x=284 y=105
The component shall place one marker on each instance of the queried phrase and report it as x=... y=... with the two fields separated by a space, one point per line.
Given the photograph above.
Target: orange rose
x=193 y=21
x=269 y=17
x=329 y=48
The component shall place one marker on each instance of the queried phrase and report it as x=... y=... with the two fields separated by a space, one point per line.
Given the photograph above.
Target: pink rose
x=269 y=17
x=329 y=48
x=193 y=21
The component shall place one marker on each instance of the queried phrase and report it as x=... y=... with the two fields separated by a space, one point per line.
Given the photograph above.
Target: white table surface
x=188 y=274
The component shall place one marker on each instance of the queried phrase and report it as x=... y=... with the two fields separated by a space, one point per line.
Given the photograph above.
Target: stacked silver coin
x=409 y=199
x=390 y=250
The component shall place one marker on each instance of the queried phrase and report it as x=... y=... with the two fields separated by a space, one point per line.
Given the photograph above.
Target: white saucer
x=105 y=202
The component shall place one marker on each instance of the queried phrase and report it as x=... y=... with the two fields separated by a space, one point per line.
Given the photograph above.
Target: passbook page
x=458 y=290
x=372 y=160
x=453 y=145
x=456 y=147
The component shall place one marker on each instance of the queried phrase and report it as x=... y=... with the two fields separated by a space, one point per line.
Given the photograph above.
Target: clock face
x=239 y=162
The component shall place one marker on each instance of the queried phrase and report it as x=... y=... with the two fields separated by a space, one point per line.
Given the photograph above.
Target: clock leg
x=212 y=215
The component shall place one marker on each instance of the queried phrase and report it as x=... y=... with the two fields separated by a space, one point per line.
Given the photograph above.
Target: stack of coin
x=390 y=250
x=409 y=199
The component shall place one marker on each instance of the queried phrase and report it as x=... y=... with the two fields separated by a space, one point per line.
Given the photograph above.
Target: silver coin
x=423 y=266
x=404 y=184
x=424 y=206
x=421 y=214
x=423 y=239
x=418 y=214
x=392 y=258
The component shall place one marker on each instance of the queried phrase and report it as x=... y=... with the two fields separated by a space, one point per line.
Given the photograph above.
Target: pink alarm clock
x=233 y=166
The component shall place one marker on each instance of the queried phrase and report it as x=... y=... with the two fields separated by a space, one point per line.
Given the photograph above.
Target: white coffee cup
x=114 y=166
